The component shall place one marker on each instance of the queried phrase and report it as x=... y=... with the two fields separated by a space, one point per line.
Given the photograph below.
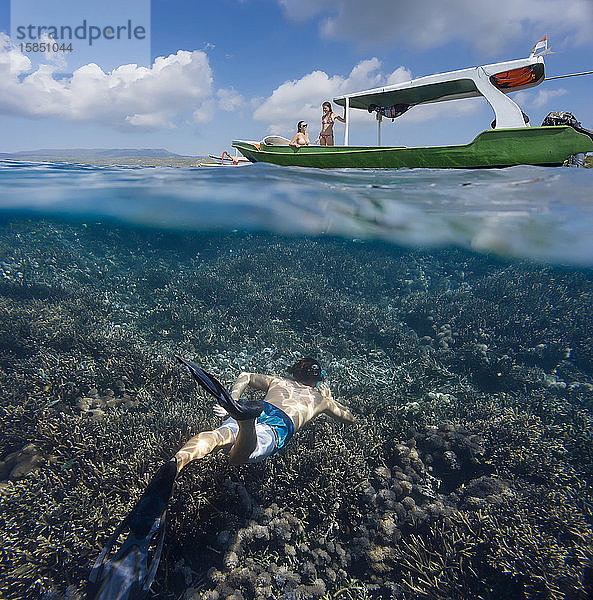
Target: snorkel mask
x=322 y=375
x=316 y=372
x=307 y=370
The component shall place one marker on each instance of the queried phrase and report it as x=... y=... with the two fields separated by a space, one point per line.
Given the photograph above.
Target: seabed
x=467 y=475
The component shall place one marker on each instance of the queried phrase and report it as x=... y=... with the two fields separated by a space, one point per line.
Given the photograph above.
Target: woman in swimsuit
x=301 y=137
x=326 y=137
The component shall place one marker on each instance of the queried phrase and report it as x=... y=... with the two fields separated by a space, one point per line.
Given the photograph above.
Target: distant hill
x=92 y=153
x=135 y=157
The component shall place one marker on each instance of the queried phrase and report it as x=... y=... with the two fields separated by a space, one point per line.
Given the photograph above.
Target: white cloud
x=302 y=98
x=488 y=26
x=538 y=99
x=128 y=97
x=56 y=58
x=229 y=99
x=400 y=75
x=205 y=111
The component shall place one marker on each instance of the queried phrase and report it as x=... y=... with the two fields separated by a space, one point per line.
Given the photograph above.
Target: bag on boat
x=562 y=117
x=391 y=112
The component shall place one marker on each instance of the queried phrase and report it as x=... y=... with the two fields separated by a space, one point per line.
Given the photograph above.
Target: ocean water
x=539 y=213
x=452 y=311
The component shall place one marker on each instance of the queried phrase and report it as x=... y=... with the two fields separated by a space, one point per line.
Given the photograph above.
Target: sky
x=199 y=74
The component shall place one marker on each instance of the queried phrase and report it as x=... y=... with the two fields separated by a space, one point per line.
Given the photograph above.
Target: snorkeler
x=251 y=431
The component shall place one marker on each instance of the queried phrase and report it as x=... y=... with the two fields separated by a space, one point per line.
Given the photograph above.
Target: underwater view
x=451 y=310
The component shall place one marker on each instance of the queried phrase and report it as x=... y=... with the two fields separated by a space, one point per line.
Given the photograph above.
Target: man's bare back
x=299 y=401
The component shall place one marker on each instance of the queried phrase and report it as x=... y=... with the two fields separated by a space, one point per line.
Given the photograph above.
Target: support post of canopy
x=506 y=112
x=379 y=121
x=347 y=106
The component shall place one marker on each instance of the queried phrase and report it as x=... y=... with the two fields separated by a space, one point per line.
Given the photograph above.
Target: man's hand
x=220 y=412
x=339 y=412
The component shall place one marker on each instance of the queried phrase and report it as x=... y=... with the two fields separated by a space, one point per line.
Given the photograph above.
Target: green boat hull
x=493 y=148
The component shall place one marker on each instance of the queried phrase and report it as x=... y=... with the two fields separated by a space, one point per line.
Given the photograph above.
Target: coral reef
x=469 y=472
x=18 y=464
x=94 y=405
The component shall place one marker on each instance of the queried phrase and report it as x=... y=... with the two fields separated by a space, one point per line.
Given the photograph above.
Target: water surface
x=452 y=310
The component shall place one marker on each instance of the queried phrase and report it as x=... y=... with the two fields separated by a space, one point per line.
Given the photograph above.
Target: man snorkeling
x=251 y=431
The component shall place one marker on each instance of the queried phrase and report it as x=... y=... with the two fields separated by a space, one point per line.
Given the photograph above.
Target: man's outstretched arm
x=339 y=412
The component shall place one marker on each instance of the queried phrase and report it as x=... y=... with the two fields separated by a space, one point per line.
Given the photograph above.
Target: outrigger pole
x=570 y=75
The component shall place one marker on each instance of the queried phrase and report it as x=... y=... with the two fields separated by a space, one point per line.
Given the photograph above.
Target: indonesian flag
x=541 y=45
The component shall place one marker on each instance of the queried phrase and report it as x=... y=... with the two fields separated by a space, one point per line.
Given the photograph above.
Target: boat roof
x=443 y=86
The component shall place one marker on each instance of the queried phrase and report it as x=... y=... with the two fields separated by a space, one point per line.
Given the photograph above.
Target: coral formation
x=468 y=474
x=18 y=464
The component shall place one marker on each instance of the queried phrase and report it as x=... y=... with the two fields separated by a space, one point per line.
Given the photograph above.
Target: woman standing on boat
x=326 y=137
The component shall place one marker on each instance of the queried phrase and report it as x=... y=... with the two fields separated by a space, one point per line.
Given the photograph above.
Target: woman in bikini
x=301 y=137
x=326 y=137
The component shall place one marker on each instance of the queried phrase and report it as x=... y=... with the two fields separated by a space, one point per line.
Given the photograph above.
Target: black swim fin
x=128 y=572
x=239 y=410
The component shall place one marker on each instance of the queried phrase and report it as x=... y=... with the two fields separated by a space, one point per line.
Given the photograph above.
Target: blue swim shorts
x=273 y=427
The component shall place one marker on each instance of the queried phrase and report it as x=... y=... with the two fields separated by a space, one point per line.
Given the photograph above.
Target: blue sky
x=239 y=69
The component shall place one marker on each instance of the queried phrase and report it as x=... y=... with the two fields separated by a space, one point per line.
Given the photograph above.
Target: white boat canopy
x=492 y=82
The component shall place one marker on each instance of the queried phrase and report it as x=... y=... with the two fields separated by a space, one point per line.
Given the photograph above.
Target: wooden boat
x=511 y=141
